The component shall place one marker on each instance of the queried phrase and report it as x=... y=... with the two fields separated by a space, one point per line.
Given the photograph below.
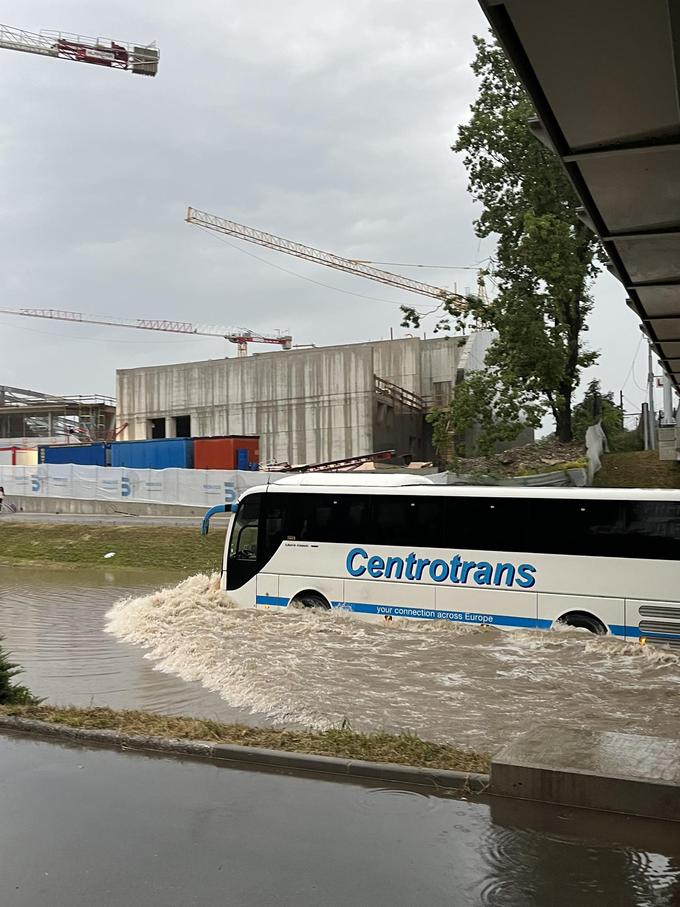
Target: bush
x=626 y=441
x=13 y=693
x=598 y=407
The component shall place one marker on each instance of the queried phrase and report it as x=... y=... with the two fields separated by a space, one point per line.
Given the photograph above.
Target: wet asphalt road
x=82 y=827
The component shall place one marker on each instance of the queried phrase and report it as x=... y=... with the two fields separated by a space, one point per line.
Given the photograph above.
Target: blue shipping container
x=162 y=453
x=80 y=454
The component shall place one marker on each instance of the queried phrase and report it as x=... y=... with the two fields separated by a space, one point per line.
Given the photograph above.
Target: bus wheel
x=583 y=621
x=311 y=600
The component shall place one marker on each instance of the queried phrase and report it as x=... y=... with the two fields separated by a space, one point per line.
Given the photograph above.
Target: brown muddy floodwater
x=53 y=623
x=92 y=636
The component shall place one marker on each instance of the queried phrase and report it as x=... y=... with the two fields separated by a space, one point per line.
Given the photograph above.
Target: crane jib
x=309 y=253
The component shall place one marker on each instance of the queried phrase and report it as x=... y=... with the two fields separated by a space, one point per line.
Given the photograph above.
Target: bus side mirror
x=205 y=523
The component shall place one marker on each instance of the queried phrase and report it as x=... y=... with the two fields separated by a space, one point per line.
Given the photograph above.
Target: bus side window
x=484 y=524
x=314 y=516
x=392 y=520
x=356 y=519
x=653 y=529
x=272 y=528
x=430 y=522
x=328 y=518
x=578 y=527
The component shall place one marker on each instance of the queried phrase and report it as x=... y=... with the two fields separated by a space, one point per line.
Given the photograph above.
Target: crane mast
x=139 y=59
x=278 y=243
x=240 y=336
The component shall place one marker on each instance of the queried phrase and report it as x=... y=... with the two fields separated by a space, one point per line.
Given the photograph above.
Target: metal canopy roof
x=604 y=76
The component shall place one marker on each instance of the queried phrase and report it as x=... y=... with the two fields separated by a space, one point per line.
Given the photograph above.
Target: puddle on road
x=474 y=686
x=184 y=833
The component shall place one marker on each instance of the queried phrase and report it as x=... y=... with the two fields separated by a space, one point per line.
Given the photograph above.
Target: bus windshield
x=242 y=558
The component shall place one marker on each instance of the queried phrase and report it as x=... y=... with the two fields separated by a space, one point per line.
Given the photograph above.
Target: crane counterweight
x=141 y=60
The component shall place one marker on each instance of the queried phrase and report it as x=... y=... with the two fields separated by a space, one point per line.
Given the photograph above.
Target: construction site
x=307 y=406
x=411 y=622
x=29 y=418
x=331 y=406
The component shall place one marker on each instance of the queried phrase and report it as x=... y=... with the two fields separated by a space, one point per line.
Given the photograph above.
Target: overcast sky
x=328 y=125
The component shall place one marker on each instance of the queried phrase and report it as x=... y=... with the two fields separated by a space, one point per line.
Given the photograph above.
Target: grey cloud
x=328 y=125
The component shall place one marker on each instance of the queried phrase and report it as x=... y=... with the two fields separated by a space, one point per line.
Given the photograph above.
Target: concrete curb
x=631 y=774
x=437 y=779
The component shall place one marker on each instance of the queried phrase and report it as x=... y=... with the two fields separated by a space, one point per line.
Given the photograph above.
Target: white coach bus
x=607 y=560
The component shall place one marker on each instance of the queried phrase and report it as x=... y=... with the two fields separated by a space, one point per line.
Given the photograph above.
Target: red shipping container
x=222 y=453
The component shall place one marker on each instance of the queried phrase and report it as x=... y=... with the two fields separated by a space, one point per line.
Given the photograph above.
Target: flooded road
x=185 y=650
x=473 y=686
x=83 y=827
x=53 y=622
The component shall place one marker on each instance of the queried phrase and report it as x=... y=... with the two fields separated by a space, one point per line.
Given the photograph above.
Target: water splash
x=472 y=685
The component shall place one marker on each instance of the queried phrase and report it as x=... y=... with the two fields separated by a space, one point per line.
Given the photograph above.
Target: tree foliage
x=479 y=401
x=598 y=407
x=545 y=261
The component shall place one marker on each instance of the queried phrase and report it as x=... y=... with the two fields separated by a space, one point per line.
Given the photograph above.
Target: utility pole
x=667 y=400
x=651 y=415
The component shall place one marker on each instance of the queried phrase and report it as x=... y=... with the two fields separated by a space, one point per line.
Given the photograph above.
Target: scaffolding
x=31 y=414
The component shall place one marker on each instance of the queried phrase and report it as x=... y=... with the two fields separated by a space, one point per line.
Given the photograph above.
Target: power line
x=402 y=264
x=318 y=283
x=632 y=366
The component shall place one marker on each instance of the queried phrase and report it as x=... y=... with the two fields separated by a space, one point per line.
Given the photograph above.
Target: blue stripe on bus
x=505 y=620
x=271 y=600
x=501 y=620
x=623 y=630
x=637 y=633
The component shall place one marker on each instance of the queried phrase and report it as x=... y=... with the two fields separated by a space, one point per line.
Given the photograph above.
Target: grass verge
x=80 y=545
x=403 y=749
x=637 y=469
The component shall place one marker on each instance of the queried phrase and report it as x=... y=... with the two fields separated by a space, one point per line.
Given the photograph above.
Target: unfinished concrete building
x=29 y=417
x=308 y=405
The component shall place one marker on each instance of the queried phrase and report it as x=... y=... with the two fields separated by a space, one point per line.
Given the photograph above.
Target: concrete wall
x=399 y=361
x=307 y=405
x=668 y=443
x=402 y=430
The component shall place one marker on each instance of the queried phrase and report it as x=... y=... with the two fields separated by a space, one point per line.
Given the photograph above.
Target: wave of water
x=471 y=685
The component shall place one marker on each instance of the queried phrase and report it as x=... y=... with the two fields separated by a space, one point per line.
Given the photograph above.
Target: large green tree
x=544 y=264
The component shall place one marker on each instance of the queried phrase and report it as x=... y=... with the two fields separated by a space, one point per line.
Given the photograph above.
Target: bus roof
x=354 y=479
x=421 y=486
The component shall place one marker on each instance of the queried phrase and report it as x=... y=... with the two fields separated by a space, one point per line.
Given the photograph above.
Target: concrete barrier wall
x=76 y=507
x=56 y=488
x=202 y=488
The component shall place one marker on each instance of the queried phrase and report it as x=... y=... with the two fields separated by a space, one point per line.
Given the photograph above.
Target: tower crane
x=239 y=336
x=139 y=59
x=278 y=243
